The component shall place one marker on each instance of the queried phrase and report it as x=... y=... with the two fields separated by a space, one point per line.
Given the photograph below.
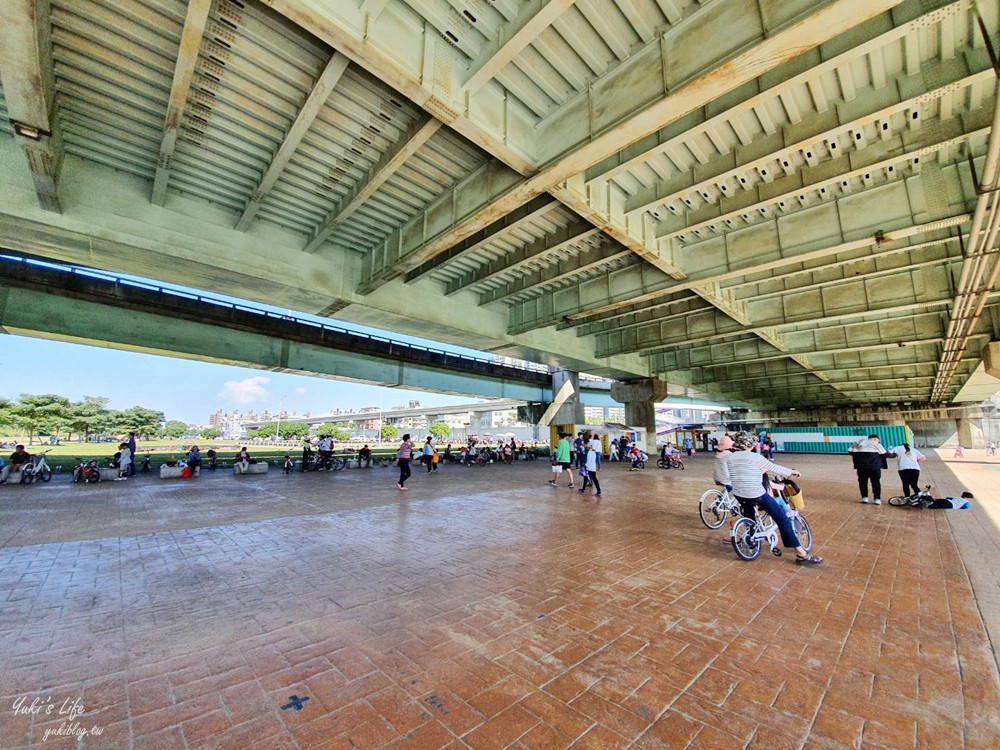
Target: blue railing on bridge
x=105 y=276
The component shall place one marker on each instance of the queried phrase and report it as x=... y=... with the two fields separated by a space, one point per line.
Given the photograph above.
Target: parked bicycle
x=87 y=472
x=715 y=505
x=37 y=469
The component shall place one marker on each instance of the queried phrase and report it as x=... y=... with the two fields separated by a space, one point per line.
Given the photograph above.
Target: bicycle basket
x=793 y=495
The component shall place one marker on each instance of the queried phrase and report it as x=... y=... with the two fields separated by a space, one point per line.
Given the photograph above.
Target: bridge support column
x=991 y=358
x=640 y=398
x=571 y=410
x=970 y=433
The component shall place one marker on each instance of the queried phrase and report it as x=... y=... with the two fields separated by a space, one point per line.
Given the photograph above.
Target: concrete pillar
x=991 y=358
x=970 y=433
x=640 y=398
x=571 y=410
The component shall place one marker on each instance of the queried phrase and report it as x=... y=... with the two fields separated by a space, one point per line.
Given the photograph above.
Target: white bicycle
x=37 y=469
x=748 y=535
x=715 y=505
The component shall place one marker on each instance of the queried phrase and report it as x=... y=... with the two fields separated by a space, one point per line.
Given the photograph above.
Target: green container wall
x=890 y=435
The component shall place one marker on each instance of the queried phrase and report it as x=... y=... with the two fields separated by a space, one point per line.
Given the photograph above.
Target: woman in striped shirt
x=744 y=471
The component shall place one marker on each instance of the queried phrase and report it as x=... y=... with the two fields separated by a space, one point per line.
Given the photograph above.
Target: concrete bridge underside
x=777 y=203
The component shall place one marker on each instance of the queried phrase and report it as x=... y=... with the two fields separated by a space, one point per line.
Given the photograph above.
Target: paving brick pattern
x=485 y=610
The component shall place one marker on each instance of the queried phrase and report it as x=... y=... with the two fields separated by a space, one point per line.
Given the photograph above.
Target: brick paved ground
x=488 y=610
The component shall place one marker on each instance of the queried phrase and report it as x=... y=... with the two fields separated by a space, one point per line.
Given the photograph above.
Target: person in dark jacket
x=869 y=460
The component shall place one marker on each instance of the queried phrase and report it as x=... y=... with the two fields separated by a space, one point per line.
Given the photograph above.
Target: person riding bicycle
x=636 y=456
x=721 y=473
x=17 y=461
x=744 y=470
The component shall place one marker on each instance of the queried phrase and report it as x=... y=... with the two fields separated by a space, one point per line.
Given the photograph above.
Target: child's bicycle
x=922 y=499
x=748 y=534
x=670 y=462
x=715 y=505
x=37 y=469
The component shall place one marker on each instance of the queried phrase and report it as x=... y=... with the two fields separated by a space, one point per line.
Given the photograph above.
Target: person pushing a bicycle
x=744 y=471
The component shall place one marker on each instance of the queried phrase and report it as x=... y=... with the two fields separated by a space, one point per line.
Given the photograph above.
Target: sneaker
x=399 y=486
x=877 y=501
x=552 y=482
x=597 y=494
x=864 y=500
x=638 y=470
x=581 y=492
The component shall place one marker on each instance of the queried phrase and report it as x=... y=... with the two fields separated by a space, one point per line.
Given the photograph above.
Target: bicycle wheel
x=899 y=500
x=661 y=464
x=712 y=509
x=338 y=464
x=680 y=465
x=803 y=532
x=746 y=547
x=45 y=474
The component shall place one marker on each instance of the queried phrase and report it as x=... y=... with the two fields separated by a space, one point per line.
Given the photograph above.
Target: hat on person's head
x=744 y=441
x=726 y=443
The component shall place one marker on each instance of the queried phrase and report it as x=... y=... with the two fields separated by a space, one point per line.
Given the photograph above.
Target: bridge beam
x=26 y=72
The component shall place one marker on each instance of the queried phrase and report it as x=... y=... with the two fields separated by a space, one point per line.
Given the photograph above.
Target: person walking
x=869 y=460
x=688 y=446
x=562 y=460
x=592 y=468
x=909 y=467
x=744 y=471
x=614 y=450
x=403 y=456
x=429 y=451
x=595 y=445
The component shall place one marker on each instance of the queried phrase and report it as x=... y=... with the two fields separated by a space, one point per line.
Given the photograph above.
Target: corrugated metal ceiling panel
x=114 y=65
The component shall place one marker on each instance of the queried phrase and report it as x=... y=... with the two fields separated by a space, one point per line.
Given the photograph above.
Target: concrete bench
x=173 y=472
x=257 y=468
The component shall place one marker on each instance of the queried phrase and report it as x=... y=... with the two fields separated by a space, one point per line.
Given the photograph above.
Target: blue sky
x=182 y=389
x=189 y=390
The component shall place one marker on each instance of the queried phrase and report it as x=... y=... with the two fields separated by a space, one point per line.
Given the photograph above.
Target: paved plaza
x=484 y=609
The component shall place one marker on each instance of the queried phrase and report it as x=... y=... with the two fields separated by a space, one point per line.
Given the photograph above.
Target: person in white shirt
x=721 y=472
x=744 y=472
x=590 y=463
x=909 y=467
x=595 y=445
x=124 y=461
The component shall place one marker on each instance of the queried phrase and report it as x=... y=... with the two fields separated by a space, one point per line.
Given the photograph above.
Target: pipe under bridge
x=80 y=305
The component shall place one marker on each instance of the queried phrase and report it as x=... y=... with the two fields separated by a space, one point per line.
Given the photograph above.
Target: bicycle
x=748 y=534
x=714 y=505
x=670 y=462
x=37 y=469
x=921 y=500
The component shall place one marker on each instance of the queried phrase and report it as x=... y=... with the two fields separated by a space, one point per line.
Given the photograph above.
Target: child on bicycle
x=721 y=472
x=744 y=470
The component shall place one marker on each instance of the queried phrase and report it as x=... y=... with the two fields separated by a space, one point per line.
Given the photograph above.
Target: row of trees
x=50 y=414
x=294 y=430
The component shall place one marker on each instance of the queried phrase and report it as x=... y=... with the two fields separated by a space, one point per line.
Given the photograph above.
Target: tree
x=210 y=433
x=389 y=432
x=440 y=430
x=287 y=430
x=40 y=413
x=174 y=429
x=328 y=428
x=87 y=416
x=143 y=422
x=7 y=419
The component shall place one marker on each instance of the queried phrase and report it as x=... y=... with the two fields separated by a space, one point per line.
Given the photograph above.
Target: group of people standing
x=586 y=453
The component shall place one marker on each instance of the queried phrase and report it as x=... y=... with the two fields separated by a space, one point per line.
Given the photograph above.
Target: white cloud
x=244 y=391
x=300 y=391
